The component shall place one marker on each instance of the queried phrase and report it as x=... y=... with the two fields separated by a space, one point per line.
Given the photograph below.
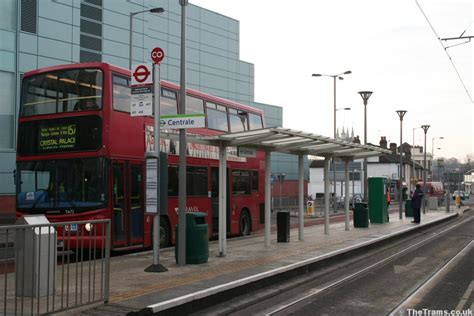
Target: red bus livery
x=433 y=189
x=81 y=156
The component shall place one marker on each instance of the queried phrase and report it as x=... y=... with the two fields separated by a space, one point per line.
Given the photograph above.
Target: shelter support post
x=222 y=200
x=268 y=195
x=326 y=196
x=300 y=197
x=346 y=194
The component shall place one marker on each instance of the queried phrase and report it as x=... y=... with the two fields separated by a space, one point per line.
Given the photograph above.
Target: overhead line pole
x=182 y=145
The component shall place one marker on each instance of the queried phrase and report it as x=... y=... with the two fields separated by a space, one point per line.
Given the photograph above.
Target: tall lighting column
x=365 y=97
x=154 y=10
x=425 y=129
x=432 y=155
x=401 y=114
x=182 y=145
x=340 y=77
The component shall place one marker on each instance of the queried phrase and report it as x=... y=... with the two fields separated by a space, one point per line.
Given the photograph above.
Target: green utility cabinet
x=378 y=212
x=197 y=239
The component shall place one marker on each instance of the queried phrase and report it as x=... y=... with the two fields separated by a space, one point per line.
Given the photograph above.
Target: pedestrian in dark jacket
x=416 y=200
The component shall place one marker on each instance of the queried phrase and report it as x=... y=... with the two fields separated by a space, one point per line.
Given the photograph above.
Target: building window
x=28 y=15
x=90 y=12
x=8 y=15
x=86 y=56
x=91 y=31
x=95 y=2
x=7 y=92
x=91 y=27
x=90 y=42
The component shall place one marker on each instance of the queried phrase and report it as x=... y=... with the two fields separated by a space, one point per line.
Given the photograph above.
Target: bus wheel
x=165 y=232
x=245 y=223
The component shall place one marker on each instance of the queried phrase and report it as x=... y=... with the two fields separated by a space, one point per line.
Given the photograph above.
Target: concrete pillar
x=346 y=196
x=326 y=196
x=268 y=197
x=222 y=201
x=301 y=205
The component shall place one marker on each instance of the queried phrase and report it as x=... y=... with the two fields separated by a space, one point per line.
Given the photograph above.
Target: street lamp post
x=432 y=145
x=365 y=97
x=401 y=114
x=425 y=129
x=432 y=153
x=413 y=152
x=339 y=76
x=132 y=14
x=281 y=178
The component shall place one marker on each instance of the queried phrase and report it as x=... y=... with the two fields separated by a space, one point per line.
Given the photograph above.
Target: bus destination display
x=61 y=135
x=57 y=138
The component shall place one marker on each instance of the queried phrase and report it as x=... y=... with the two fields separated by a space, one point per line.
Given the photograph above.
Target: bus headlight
x=88 y=226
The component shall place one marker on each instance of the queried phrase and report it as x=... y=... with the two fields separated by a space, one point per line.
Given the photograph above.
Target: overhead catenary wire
x=446 y=51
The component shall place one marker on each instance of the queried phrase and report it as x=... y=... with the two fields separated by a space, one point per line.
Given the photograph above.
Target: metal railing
x=53 y=267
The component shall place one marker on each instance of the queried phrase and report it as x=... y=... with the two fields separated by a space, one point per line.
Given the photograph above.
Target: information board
x=151 y=185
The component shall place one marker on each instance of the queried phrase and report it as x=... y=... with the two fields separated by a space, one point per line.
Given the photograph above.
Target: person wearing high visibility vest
x=458 y=201
x=388 y=204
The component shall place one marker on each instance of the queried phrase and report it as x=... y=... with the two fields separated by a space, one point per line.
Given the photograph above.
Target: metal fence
x=53 y=267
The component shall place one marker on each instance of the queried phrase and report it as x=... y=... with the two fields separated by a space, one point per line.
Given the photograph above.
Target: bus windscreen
x=57 y=186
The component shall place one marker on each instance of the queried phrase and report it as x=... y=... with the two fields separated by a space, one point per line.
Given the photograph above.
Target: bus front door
x=127 y=195
x=215 y=200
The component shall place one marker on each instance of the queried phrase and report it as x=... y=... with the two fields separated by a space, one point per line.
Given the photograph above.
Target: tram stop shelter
x=282 y=140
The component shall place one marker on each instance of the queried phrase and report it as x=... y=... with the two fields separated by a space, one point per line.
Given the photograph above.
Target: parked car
x=466 y=195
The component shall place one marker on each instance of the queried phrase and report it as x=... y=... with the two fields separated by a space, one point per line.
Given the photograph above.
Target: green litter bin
x=408 y=208
x=197 y=239
x=361 y=215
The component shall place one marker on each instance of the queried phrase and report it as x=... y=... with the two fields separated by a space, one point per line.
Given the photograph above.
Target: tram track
x=336 y=275
x=399 y=309
x=349 y=278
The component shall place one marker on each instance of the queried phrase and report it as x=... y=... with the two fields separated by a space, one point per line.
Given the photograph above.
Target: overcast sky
x=390 y=49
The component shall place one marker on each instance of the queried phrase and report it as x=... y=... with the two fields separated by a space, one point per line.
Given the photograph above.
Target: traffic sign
x=157 y=55
x=141 y=74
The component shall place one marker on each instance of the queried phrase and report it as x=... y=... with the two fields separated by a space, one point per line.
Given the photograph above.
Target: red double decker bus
x=81 y=156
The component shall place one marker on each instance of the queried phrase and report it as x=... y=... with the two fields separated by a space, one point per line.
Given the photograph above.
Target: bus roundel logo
x=157 y=55
x=141 y=74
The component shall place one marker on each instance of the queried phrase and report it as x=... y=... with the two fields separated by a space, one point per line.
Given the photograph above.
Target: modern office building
x=41 y=33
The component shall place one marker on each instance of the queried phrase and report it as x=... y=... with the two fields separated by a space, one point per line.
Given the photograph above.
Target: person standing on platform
x=388 y=204
x=416 y=201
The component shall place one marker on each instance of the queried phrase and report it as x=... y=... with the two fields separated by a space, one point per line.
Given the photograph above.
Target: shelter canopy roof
x=283 y=140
